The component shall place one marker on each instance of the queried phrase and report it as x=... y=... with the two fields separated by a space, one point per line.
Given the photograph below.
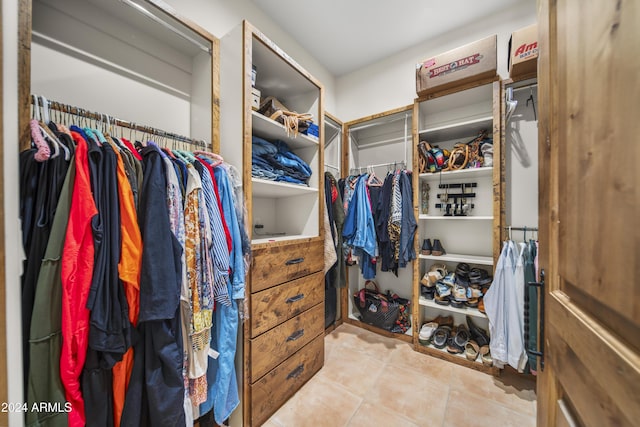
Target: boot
x=437 y=249
x=426 y=247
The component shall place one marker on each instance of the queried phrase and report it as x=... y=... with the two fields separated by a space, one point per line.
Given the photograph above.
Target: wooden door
x=589 y=82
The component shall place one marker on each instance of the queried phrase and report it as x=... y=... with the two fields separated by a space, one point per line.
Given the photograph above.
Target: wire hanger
x=533 y=103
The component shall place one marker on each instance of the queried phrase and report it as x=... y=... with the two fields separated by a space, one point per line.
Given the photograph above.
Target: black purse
x=376 y=308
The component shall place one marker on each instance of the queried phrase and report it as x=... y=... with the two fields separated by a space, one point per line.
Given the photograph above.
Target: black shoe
x=437 y=249
x=477 y=334
x=426 y=247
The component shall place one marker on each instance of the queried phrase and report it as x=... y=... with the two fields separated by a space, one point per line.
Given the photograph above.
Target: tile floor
x=369 y=380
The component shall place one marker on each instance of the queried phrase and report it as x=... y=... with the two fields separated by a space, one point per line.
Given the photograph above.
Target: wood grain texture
x=415 y=182
x=377 y=116
x=499 y=167
x=280 y=303
x=272 y=390
x=431 y=351
x=379 y=331
x=598 y=114
x=548 y=388
x=614 y=367
x=273 y=265
x=4 y=386
x=24 y=72
x=271 y=348
x=215 y=96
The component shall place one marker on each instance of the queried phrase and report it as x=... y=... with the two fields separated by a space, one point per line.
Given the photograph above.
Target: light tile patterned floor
x=370 y=381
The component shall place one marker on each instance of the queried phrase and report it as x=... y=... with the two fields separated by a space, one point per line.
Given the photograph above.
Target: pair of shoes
x=458 y=339
x=472 y=350
x=428 y=249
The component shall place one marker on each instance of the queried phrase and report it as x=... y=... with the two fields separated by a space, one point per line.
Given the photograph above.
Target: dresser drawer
x=279 y=303
x=272 y=265
x=271 y=348
x=272 y=390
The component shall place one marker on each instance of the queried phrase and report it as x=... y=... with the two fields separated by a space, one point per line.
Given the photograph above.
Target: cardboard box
x=255 y=99
x=523 y=51
x=468 y=63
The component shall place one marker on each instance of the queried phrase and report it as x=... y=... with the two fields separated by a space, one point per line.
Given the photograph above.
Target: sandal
x=426 y=332
x=441 y=336
x=471 y=350
x=481 y=306
x=428 y=293
x=485 y=355
x=446 y=300
x=472 y=302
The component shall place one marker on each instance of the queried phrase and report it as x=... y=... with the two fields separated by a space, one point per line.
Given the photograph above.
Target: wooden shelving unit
x=286 y=220
x=443 y=119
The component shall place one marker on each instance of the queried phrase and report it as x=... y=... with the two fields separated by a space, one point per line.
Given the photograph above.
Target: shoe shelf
x=469 y=259
x=464 y=173
x=269 y=129
x=459 y=359
x=278 y=190
x=460 y=129
x=469 y=311
x=406 y=337
x=455 y=218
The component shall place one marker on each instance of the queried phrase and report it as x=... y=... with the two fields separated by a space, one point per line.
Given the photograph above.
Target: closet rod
x=81 y=112
x=331 y=166
x=154 y=18
x=360 y=168
x=375 y=122
x=519 y=88
x=521 y=228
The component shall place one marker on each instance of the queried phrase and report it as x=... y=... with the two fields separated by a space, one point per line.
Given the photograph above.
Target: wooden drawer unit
x=279 y=303
x=275 y=345
x=272 y=265
x=272 y=390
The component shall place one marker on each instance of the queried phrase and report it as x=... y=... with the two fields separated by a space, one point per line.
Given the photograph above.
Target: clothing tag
x=213 y=354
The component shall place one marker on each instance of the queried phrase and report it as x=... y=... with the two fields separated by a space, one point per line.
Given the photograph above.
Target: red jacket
x=76 y=272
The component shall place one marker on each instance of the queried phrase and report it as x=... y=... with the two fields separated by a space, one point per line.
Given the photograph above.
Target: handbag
x=376 y=308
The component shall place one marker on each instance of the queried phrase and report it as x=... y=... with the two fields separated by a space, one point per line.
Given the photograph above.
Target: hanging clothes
x=76 y=273
x=45 y=384
x=504 y=305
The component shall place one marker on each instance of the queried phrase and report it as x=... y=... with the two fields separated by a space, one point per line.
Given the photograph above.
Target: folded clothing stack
x=276 y=162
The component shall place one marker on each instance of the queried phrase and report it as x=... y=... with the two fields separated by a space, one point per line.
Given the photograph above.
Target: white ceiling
x=345 y=35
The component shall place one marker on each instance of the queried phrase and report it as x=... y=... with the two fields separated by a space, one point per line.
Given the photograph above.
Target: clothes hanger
x=373 y=180
x=47 y=133
x=217 y=157
x=43 y=151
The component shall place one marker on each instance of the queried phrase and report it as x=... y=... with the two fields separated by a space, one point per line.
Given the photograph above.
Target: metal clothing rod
x=516 y=89
x=331 y=166
x=80 y=112
x=521 y=228
x=154 y=18
x=375 y=122
x=360 y=168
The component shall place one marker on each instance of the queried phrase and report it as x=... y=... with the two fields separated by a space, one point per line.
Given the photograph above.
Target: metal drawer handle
x=295 y=299
x=539 y=286
x=294 y=261
x=297 y=334
x=296 y=372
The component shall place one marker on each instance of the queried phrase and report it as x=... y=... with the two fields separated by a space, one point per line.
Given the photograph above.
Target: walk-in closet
x=287 y=214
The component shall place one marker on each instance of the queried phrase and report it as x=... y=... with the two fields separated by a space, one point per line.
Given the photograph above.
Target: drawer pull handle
x=297 y=334
x=294 y=261
x=295 y=299
x=296 y=372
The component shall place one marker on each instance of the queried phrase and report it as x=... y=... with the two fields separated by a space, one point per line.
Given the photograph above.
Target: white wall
x=221 y=16
x=391 y=83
